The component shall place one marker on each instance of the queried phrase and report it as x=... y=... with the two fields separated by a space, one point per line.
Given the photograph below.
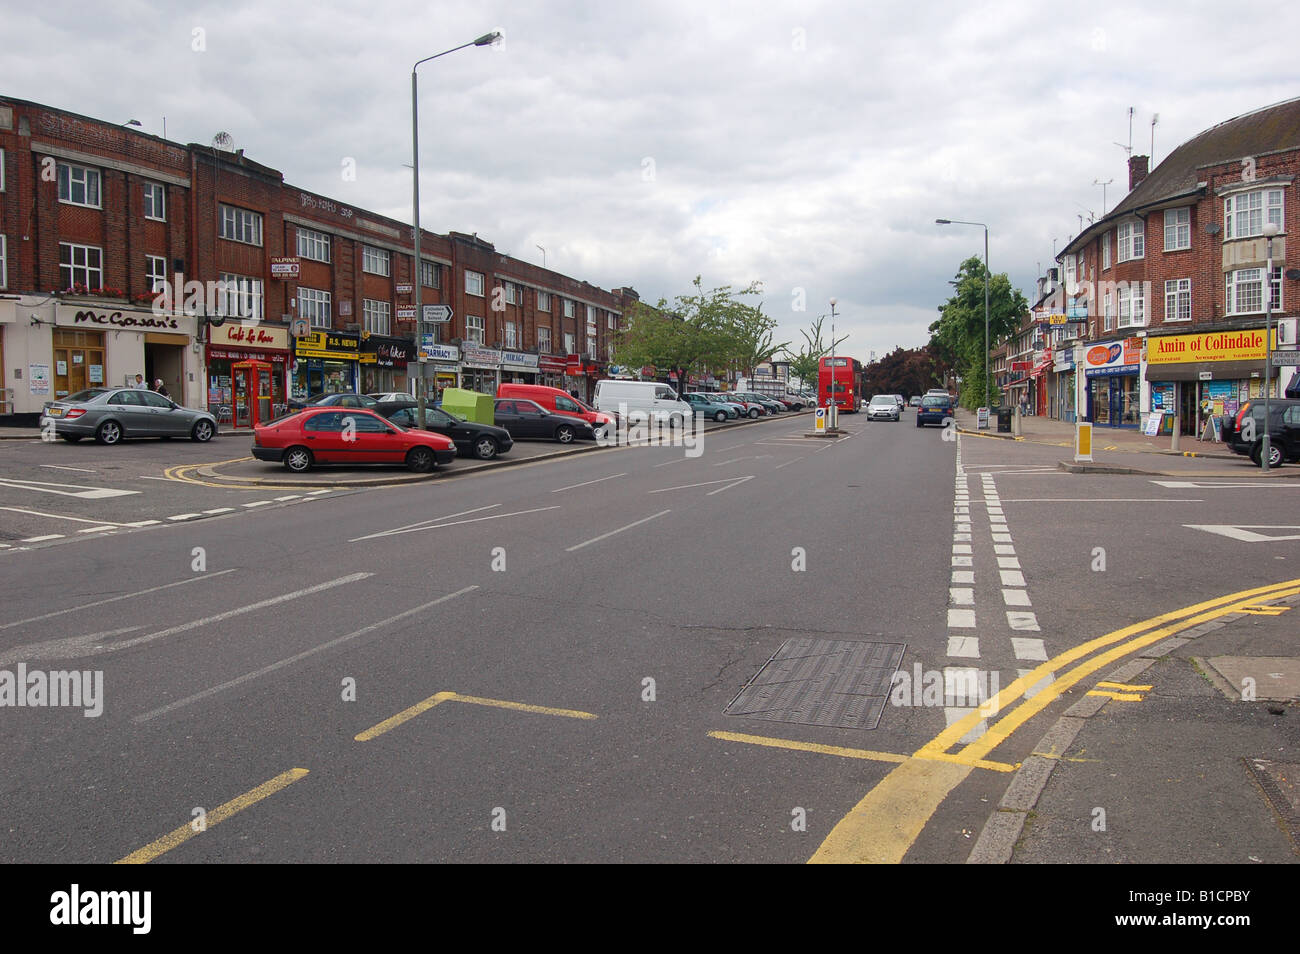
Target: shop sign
x=482 y=357
x=328 y=344
x=551 y=364
x=283 y=267
x=119 y=320
x=1117 y=357
x=391 y=353
x=252 y=336
x=449 y=354
x=519 y=359
x=1211 y=346
x=405 y=312
x=235 y=354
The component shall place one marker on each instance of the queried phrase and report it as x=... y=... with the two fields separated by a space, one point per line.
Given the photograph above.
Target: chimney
x=1137 y=170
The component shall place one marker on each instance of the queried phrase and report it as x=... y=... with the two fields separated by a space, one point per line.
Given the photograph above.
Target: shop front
x=383 y=362
x=580 y=375
x=1063 y=385
x=1205 y=377
x=1038 y=381
x=1113 y=374
x=443 y=366
x=326 y=362
x=480 y=369
x=519 y=367
x=550 y=370
x=236 y=341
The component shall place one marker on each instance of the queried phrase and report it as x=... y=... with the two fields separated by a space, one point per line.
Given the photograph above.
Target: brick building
x=96 y=217
x=1172 y=279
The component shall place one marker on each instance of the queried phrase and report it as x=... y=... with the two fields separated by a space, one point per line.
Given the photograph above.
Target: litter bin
x=1004 y=420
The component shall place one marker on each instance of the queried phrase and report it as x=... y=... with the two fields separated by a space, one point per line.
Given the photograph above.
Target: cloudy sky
x=809 y=146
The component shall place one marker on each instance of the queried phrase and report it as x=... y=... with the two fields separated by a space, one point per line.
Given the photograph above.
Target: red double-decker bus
x=844 y=379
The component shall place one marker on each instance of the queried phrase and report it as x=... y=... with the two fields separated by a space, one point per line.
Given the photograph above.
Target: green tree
x=804 y=364
x=957 y=337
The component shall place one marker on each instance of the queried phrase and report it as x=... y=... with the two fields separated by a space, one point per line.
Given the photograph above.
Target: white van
x=635 y=398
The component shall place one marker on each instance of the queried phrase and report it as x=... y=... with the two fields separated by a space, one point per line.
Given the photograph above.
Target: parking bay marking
x=730 y=481
x=60 y=516
x=587 y=483
x=71 y=490
x=611 y=533
x=115 y=599
x=1245 y=532
x=439 y=698
x=454 y=523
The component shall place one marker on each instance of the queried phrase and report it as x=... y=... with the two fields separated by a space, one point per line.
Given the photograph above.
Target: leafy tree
x=804 y=364
x=958 y=335
x=906 y=372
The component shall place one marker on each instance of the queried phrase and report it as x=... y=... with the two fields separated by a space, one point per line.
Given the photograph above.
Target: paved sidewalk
x=1115 y=439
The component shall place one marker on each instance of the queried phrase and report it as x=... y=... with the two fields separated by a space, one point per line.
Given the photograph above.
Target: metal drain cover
x=1280 y=783
x=829 y=682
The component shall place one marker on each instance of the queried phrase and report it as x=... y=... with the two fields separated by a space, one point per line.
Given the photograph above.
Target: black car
x=529 y=419
x=1244 y=431
x=472 y=439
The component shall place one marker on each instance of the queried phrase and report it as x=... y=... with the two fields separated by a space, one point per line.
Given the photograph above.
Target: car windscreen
x=882 y=399
x=934 y=401
x=87 y=395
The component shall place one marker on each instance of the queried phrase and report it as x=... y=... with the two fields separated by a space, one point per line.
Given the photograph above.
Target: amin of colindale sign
x=1212 y=346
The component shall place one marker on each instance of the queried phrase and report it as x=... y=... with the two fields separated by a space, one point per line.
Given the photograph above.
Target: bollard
x=1173 y=445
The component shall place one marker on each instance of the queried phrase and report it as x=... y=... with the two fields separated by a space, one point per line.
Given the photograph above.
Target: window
x=568 y=308
x=512 y=338
x=4 y=267
x=1132 y=241
x=1244 y=214
x=1246 y=294
x=430 y=275
x=474 y=283
x=1178 y=300
x=378 y=316
x=612 y=321
x=1132 y=306
x=155 y=272
x=568 y=342
x=240 y=225
x=79 y=185
x=1105 y=251
x=1108 y=316
x=544 y=340
x=591 y=349
x=2 y=170
x=1178 y=229
x=543 y=301
x=512 y=294
x=155 y=201
x=81 y=265
x=376 y=261
x=240 y=297
x=314 y=305
x=474 y=329
x=1071 y=278
x=313 y=245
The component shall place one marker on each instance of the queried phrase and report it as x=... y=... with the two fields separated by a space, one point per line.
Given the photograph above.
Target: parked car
x=752 y=409
x=1283 y=431
x=902 y=402
x=347 y=436
x=935 y=409
x=558 y=402
x=770 y=404
x=111 y=415
x=341 y=399
x=529 y=419
x=883 y=406
x=704 y=404
x=650 y=398
x=388 y=397
x=483 y=441
x=720 y=397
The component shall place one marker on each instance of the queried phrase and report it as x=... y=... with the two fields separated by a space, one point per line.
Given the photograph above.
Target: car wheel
x=485 y=448
x=720 y=417
x=918 y=423
x=1275 y=455
x=565 y=434
x=71 y=438
x=753 y=413
x=298 y=460
x=420 y=460
x=110 y=432
x=202 y=432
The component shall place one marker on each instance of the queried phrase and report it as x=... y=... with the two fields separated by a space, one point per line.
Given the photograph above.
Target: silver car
x=883 y=406
x=112 y=414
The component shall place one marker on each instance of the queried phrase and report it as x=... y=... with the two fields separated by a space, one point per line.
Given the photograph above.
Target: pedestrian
x=162 y=389
x=139 y=382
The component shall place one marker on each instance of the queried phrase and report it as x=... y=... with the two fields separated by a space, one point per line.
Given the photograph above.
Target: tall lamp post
x=486 y=39
x=986 y=295
x=1270 y=232
x=833 y=414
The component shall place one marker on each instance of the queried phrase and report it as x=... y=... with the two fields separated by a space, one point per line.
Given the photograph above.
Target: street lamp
x=833 y=413
x=486 y=39
x=986 y=295
x=1270 y=232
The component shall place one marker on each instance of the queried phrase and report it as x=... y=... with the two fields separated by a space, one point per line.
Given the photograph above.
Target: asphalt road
x=526 y=665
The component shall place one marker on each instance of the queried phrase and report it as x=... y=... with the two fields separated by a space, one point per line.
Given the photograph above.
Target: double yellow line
x=882 y=827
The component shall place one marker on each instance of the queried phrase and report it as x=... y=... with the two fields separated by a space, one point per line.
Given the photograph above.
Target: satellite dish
x=223 y=141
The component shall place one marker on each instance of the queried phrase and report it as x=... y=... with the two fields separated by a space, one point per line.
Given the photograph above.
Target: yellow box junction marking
x=215 y=817
x=439 y=698
x=882 y=827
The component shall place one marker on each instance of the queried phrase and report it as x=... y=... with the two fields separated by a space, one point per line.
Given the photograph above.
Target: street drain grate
x=828 y=682
x=1280 y=783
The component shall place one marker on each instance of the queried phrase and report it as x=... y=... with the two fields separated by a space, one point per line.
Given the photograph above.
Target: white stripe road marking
x=60 y=516
x=1001 y=538
x=1202 y=485
x=80 y=470
x=1023 y=621
x=789 y=462
x=115 y=599
x=964 y=647
x=1016 y=597
x=425 y=523
x=1012 y=577
x=611 y=533
x=962 y=560
x=963 y=576
x=1107 y=500
x=266 y=670
x=1030 y=649
x=454 y=523
x=221 y=510
x=144 y=523
x=705 y=483
x=675 y=460
x=961 y=595
x=79 y=490
x=961 y=538
x=961 y=618
x=48 y=536
x=289 y=497
x=317 y=493
x=1039 y=686
x=586 y=483
x=961 y=548
x=956 y=714
x=1004 y=549
x=735 y=483
x=1008 y=563
x=1245 y=532
x=257 y=503
x=185 y=516
x=78 y=646
x=99 y=529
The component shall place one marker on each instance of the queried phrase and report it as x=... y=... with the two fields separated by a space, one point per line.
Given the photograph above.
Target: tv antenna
x=223 y=141
x=1129 y=148
x=1103 y=185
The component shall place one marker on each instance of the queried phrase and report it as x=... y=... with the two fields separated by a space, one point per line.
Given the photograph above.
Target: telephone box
x=251 y=384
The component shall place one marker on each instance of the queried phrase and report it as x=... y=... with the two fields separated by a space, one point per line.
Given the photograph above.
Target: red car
x=347 y=436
